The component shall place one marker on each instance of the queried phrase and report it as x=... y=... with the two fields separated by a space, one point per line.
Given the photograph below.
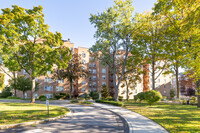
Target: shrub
x=141 y=96
x=85 y=96
x=120 y=98
x=13 y=97
x=42 y=97
x=135 y=98
x=94 y=95
x=110 y=98
x=104 y=92
x=152 y=96
x=74 y=101
x=190 y=92
x=110 y=102
x=164 y=98
x=172 y=93
x=85 y=102
x=6 y=92
x=194 y=98
x=58 y=96
x=193 y=102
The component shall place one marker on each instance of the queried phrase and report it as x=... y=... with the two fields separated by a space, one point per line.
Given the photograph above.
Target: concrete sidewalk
x=136 y=122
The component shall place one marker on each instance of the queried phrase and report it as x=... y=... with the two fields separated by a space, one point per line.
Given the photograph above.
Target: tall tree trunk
x=33 y=90
x=70 y=92
x=14 y=75
x=23 y=95
x=177 y=81
x=198 y=92
x=153 y=72
x=127 y=90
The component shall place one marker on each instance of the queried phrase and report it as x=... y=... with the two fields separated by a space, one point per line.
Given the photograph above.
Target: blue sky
x=71 y=17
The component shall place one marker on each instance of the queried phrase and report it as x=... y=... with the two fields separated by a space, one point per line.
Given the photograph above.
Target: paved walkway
x=137 y=123
x=84 y=119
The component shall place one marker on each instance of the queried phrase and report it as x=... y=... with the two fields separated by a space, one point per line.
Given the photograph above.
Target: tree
x=183 y=17
x=131 y=76
x=151 y=40
x=21 y=83
x=2 y=77
x=115 y=28
x=74 y=71
x=27 y=43
x=104 y=92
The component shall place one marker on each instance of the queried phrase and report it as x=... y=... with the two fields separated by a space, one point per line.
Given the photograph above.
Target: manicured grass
x=11 y=113
x=173 y=117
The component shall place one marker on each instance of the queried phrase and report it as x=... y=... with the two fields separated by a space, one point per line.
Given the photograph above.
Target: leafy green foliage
x=152 y=96
x=74 y=101
x=104 y=92
x=172 y=93
x=2 y=76
x=73 y=72
x=42 y=97
x=94 y=95
x=141 y=96
x=27 y=43
x=110 y=102
x=6 y=92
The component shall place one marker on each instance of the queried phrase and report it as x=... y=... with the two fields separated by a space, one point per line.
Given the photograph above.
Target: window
x=83 y=76
x=94 y=71
x=83 y=68
x=48 y=96
x=103 y=83
x=164 y=86
x=24 y=72
x=90 y=84
x=90 y=89
x=90 y=58
x=103 y=70
x=48 y=72
x=90 y=78
x=36 y=95
x=94 y=84
x=83 y=89
x=59 y=81
x=90 y=65
x=90 y=70
x=103 y=77
x=83 y=61
x=164 y=92
x=83 y=82
x=94 y=77
x=94 y=65
x=72 y=49
x=48 y=79
x=94 y=89
x=83 y=55
x=48 y=88
x=59 y=88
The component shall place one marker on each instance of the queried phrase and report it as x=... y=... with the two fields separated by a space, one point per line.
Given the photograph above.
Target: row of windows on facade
x=95 y=77
x=157 y=81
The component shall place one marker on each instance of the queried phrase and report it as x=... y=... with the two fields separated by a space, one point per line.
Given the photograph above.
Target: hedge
x=110 y=102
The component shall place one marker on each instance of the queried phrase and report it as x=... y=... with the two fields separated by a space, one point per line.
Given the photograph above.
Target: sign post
x=47 y=103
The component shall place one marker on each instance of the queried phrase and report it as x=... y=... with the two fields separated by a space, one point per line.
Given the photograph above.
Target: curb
x=34 y=122
x=130 y=128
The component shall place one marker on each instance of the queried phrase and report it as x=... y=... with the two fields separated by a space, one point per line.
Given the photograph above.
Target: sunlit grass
x=175 y=118
x=11 y=113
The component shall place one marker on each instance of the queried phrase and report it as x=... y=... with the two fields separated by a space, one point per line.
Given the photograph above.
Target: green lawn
x=11 y=113
x=175 y=118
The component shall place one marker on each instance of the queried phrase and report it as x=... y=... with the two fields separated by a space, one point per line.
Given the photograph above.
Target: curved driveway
x=83 y=119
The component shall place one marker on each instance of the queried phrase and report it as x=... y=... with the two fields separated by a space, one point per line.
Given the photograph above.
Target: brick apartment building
x=98 y=75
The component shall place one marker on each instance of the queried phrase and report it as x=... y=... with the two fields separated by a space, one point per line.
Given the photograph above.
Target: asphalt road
x=84 y=119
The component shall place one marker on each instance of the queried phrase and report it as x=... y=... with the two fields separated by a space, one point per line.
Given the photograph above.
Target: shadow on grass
x=174 y=117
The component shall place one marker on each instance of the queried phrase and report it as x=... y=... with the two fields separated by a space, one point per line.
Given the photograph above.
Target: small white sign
x=47 y=102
